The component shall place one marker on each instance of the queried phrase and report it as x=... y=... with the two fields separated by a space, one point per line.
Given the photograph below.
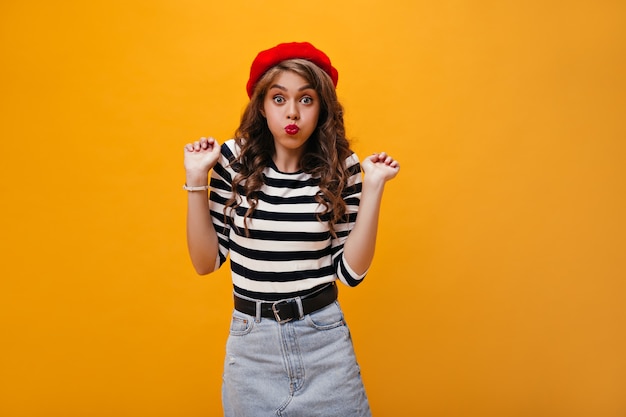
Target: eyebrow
x=305 y=87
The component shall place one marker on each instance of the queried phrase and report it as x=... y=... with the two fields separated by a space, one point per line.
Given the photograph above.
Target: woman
x=288 y=205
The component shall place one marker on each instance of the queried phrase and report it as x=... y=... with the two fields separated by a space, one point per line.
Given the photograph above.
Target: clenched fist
x=200 y=157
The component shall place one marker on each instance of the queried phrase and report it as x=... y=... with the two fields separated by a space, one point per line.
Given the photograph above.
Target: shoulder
x=353 y=163
x=230 y=149
x=352 y=159
x=227 y=165
x=231 y=152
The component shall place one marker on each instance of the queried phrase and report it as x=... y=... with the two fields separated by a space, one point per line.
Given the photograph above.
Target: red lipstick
x=292 y=129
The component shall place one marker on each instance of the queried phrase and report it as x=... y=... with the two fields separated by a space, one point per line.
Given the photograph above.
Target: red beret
x=284 y=51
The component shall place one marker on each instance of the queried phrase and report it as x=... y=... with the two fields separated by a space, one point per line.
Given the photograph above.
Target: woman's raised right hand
x=201 y=156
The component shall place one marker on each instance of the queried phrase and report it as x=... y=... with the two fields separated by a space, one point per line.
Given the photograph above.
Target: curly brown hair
x=325 y=153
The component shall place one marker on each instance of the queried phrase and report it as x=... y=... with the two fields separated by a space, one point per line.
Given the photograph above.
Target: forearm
x=361 y=243
x=202 y=240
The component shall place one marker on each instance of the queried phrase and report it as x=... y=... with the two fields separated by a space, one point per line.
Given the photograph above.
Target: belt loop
x=257 y=318
x=300 y=309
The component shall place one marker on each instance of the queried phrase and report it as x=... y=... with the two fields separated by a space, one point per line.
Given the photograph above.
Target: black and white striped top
x=288 y=252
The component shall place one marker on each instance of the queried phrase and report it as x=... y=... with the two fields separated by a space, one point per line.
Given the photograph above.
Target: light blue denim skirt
x=302 y=368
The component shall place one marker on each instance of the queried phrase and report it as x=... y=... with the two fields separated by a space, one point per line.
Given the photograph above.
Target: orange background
x=499 y=282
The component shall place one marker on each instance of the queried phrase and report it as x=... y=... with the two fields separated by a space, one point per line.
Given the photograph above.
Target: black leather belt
x=286 y=310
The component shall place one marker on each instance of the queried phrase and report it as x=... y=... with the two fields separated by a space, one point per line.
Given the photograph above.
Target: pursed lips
x=292 y=129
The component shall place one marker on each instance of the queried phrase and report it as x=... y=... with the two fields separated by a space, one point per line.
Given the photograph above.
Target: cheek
x=271 y=118
x=269 y=114
x=317 y=117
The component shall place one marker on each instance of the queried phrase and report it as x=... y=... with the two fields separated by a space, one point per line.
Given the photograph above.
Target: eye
x=278 y=99
x=306 y=100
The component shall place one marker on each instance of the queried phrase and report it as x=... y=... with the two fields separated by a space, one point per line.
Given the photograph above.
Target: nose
x=292 y=111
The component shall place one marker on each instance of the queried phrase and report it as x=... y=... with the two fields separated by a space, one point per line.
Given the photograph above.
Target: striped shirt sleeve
x=352 y=197
x=221 y=191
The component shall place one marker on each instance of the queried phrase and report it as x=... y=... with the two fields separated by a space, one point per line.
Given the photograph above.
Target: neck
x=287 y=161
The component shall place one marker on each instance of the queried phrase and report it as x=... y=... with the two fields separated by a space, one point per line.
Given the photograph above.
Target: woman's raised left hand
x=380 y=166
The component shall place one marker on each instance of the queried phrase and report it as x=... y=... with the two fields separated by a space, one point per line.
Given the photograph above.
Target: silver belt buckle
x=277 y=312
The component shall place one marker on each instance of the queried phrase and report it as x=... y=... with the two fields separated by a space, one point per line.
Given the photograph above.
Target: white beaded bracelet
x=198 y=188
